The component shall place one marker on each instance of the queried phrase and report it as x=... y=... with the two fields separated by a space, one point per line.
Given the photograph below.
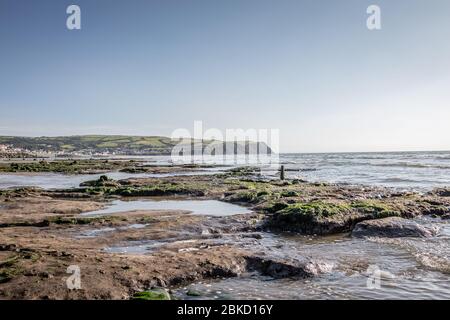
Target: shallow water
x=333 y=286
x=96 y=232
x=403 y=170
x=143 y=247
x=421 y=171
x=354 y=263
x=197 y=207
x=409 y=268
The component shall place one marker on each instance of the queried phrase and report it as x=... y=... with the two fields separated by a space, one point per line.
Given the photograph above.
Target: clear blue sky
x=309 y=68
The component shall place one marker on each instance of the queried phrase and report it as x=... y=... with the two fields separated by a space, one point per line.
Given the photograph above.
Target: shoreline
x=40 y=228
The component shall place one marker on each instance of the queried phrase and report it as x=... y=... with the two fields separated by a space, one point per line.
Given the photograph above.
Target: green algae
x=66 y=166
x=155 y=294
x=375 y=209
x=316 y=209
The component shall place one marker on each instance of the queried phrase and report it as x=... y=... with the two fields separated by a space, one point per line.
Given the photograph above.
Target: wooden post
x=282 y=173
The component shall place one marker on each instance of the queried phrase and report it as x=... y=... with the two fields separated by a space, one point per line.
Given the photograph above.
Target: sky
x=311 y=69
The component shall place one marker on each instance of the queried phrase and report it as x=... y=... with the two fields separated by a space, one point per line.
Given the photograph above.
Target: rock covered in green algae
x=193 y=293
x=309 y=217
x=289 y=193
x=375 y=209
x=66 y=166
x=325 y=217
x=154 y=294
x=103 y=181
x=247 y=197
x=126 y=188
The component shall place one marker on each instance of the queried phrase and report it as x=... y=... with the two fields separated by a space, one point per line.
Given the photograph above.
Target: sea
x=413 y=171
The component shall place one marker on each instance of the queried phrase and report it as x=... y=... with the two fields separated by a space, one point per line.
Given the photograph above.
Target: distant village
x=9 y=151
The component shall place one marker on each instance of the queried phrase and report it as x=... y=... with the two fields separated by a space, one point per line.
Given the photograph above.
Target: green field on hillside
x=118 y=144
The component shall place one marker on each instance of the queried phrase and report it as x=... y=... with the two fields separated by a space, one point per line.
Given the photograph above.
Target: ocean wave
x=354 y=163
x=440 y=158
x=389 y=165
x=411 y=165
x=400 y=180
x=432 y=254
x=419 y=171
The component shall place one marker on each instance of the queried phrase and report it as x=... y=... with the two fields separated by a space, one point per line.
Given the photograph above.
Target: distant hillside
x=126 y=145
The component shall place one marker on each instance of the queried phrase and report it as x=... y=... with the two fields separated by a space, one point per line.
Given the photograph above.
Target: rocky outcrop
x=286 y=268
x=103 y=181
x=442 y=192
x=392 y=227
